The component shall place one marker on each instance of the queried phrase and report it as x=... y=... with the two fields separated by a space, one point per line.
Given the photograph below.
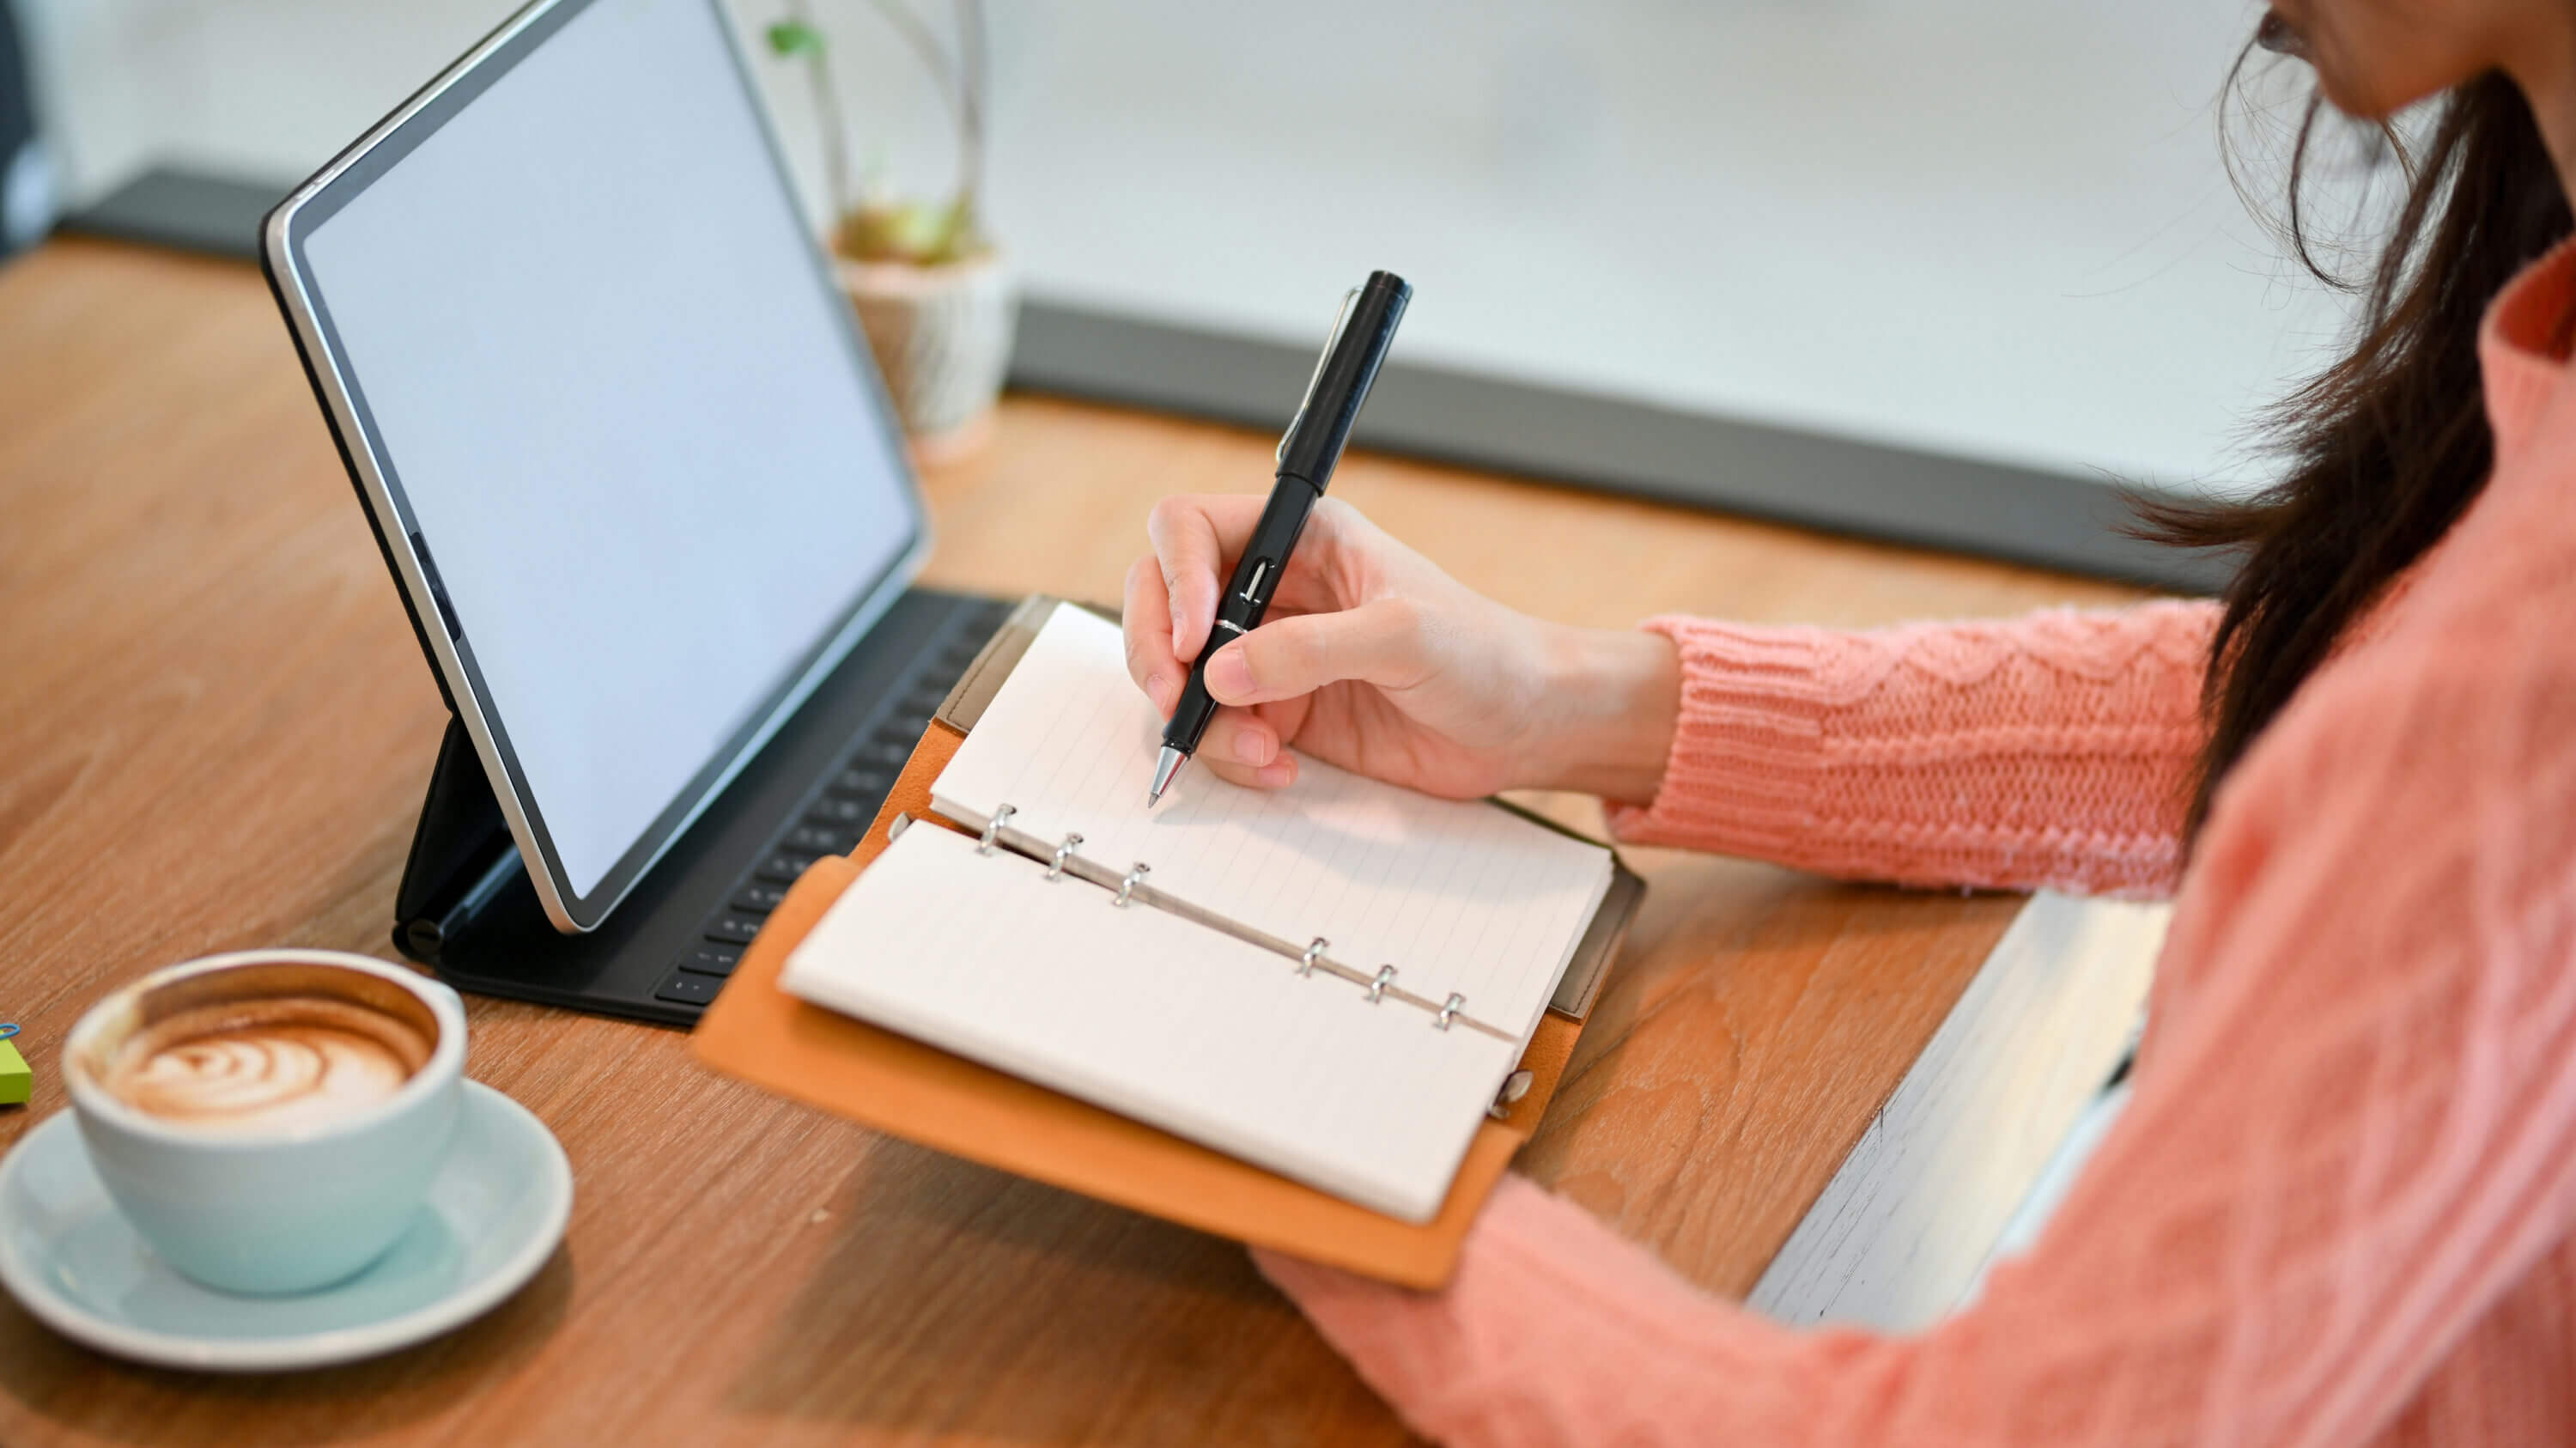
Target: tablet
x=622 y=443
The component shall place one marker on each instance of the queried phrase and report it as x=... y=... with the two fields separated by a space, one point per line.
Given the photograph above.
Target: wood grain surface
x=214 y=730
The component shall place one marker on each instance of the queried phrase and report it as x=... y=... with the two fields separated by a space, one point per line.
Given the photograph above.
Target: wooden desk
x=214 y=730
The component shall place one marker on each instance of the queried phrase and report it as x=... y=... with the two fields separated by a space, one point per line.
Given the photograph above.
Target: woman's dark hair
x=2388 y=446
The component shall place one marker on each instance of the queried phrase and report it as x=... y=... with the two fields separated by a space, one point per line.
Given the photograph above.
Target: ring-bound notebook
x=1320 y=1019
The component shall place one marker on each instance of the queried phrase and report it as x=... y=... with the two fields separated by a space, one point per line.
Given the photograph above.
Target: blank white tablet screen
x=604 y=376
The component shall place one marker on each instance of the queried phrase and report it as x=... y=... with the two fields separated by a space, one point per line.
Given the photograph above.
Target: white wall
x=1994 y=227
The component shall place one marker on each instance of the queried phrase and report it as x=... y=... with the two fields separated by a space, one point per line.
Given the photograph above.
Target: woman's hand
x=1373 y=659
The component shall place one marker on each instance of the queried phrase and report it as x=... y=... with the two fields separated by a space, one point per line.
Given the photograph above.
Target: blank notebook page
x=1459 y=896
x=1154 y=1017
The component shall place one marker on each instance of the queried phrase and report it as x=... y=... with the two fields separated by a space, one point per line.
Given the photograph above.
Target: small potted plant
x=932 y=293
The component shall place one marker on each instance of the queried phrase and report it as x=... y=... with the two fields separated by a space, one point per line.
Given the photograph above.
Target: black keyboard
x=833 y=814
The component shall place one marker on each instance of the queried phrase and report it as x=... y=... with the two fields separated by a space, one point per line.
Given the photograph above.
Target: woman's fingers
x=1237 y=736
x=1250 y=746
x=1278 y=774
x=1198 y=537
x=1383 y=642
x=1171 y=605
x=1194 y=537
x=1146 y=622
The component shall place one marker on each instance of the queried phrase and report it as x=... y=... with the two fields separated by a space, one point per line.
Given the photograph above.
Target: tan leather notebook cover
x=761 y=1034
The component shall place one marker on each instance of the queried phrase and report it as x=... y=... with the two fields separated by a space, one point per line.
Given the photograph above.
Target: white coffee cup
x=291 y=1207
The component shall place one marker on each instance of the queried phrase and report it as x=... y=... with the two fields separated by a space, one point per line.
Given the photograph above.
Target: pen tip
x=1166 y=764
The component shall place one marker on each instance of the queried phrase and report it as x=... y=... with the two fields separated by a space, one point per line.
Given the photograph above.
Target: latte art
x=267 y=1065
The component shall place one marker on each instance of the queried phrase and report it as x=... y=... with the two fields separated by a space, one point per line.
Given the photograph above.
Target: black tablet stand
x=461 y=852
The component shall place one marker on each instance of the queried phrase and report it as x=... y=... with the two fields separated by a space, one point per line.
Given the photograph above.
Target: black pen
x=1307 y=453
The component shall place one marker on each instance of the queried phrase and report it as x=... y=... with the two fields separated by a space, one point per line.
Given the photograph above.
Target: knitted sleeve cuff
x=2050 y=750
x=1747 y=749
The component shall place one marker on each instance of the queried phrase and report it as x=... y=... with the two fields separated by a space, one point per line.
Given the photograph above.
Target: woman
x=2339 y=1204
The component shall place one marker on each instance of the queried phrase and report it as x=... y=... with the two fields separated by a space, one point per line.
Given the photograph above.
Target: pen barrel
x=1191 y=715
x=1307 y=455
x=1245 y=602
x=1322 y=427
x=1265 y=556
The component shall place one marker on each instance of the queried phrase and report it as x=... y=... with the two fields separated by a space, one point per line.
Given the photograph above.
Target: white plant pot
x=942 y=338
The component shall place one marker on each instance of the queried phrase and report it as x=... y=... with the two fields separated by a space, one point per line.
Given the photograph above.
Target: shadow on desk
x=940 y=1274
x=1745 y=1013
x=154 y=1405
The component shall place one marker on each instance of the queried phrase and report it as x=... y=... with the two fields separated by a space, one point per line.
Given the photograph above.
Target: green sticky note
x=17 y=1083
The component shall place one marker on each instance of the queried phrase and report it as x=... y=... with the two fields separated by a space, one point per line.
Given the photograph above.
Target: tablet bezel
x=282 y=238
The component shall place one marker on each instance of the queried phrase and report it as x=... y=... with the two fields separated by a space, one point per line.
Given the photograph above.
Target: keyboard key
x=733 y=929
x=759 y=897
x=820 y=839
x=869 y=784
x=849 y=813
x=686 y=988
x=885 y=754
x=711 y=959
x=783 y=866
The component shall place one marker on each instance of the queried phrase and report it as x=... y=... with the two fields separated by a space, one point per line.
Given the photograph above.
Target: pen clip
x=1341 y=319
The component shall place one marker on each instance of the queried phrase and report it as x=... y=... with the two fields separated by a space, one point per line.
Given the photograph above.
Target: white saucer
x=494 y=1214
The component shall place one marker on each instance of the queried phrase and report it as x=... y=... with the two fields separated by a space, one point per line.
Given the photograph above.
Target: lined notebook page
x=1457 y=895
x=1148 y=1015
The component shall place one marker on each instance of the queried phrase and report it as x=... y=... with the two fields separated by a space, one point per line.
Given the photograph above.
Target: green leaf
x=795 y=37
x=923 y=233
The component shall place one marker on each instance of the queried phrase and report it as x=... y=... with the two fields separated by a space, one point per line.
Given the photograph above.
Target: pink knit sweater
x=2338 y=1208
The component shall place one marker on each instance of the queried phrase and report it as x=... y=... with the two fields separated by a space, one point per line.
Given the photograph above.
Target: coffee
x=263 y=1048
x=279 y=1063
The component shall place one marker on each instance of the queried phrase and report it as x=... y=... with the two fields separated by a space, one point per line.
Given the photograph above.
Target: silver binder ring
x=1314 y=951
x=1449 y=1011
x=1063 y=852
x=1127 y=886
x=993 y=829
x=1377 y=987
